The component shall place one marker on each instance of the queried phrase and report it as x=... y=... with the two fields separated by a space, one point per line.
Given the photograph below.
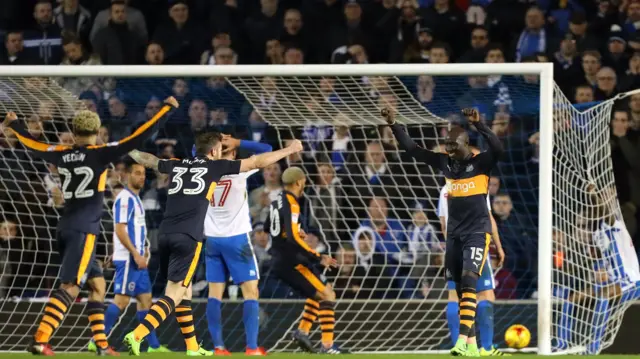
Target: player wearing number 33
x=229 y=252
x=83 y=169
x=193 y=181
x=469 y=224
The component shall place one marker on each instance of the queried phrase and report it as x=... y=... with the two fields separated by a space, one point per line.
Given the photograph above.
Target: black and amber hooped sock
x=54 y=312
x=95 y=311
x=327 y=318
x=467 y=310
x=184 y=315
x=309 y=315
x=157 y=314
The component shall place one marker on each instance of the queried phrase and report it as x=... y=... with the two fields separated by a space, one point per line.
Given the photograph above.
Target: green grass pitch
x=301 y=356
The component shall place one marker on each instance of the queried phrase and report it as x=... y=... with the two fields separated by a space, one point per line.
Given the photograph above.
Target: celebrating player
x=469 y=223
x=616 y=269
x=485 y=288
x=295 y=262
x=181 y=232
x=130 y=256
x=83 y=168
x=229 y=250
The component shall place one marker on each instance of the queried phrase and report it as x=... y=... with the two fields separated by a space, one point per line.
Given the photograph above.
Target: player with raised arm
x=181 y=232
x=228 y=250
x=616 y=272
x=130 y=256
x=83 y=170
x=295 y=263
x=469 y=222
x=486 y=285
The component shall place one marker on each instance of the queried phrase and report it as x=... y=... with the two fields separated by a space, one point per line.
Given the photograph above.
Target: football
x=517 y=336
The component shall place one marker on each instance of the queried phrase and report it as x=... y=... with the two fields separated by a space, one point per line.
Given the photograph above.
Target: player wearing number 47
x=469 y=222
x=193 y=182
x=83 y=168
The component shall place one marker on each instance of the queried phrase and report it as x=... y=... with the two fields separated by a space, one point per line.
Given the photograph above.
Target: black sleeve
x=496 y=149
x=224 y=167
x=114 y=150
x=293 y=236
x=166 y=166
x=406 y=143
x=44 y=151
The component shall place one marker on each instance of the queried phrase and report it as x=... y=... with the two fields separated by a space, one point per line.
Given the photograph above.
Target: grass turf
x=296 y=356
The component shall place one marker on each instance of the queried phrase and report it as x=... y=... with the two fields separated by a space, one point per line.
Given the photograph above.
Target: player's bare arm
x=406 y=143
x=8 y=119
x=146 y=159
x=495 y=236
x=495 y=146
x=123 y=237
x=265 y=159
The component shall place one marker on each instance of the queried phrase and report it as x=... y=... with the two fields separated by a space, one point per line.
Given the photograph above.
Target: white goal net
x=366 y=202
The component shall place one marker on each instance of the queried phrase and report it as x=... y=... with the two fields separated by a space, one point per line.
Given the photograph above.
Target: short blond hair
x=292 y=175
x=86 y=122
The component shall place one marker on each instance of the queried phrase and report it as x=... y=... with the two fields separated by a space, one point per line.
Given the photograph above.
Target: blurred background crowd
x=362 y=202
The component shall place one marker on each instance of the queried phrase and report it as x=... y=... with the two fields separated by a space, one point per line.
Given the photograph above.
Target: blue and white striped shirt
x=128 y=209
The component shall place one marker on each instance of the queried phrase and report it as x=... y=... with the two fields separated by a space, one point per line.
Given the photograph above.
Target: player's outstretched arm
x=146 y=159
x=265 y=159
x=406 y=143
x=42 y=150
x=495 y=146
x=495 y=236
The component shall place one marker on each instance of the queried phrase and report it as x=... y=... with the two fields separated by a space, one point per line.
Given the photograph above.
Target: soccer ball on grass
x=517 y=336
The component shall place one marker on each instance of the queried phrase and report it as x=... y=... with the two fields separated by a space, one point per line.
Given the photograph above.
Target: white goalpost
x=407 y=293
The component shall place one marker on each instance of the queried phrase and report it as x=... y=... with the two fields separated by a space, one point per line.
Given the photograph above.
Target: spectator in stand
x=274 y=53
x=506 y=285
x=13 y=52
x=154 y=54
x=75 y=54
x=566 y=64
x=198 y=113
x=261 y=245
x=312 y=239
x=350 y=276
x=479 y=42
x=591 y=63
x=411 y=39
x=376 y=283
x=634 y=106
x=327 y=198
x=261 y=197
x=52 y=184
x=103 y=136
x=71 y=17
x=534 y=37
x=583 y=94
x=293 y=56
x=632 y=22
x=634 y=42
x=350 y=31
x=43 y=43
x=116 y=43
x=154 y=202
x=120 y=125
x=219 y=40
x=494 y=186
x=447 y=23
x=9 y=253
x=578 y=28
x=631 y=79
x=616 y=56
x=66 y=138
x=606 y=16
x=295 y=34
x=180 y=36
x=440 y=53
x=606 y=84
x=135 y=21
x=261 y=27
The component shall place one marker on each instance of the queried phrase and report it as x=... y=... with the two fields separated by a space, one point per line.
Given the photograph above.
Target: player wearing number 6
x=193 y=181
x=83 y=168
x=469 y=223
x=229 y=252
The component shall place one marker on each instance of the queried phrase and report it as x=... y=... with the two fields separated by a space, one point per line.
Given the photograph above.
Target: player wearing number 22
x=469 y=223
x=83 y=168
x=294 y=262
x=193 y=181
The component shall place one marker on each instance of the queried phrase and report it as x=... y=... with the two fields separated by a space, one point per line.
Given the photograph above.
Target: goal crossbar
x=544 y=70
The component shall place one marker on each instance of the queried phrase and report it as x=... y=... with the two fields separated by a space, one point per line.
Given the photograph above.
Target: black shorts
x=306 y=281
x=465 y=252
x=179 y=257
x=77 y=257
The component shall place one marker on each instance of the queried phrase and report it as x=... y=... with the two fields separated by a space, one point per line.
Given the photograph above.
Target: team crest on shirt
x=132 y=286
x=469 y=168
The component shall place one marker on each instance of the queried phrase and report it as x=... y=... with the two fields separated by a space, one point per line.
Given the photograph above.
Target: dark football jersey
x=193 y=181
x=286 y=243
x=83 y=172
x=467 y=181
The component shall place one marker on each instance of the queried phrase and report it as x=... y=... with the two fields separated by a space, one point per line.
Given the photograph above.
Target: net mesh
x=390 y=283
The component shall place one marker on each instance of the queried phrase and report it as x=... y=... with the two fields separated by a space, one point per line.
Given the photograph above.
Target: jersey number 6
x=196 y=178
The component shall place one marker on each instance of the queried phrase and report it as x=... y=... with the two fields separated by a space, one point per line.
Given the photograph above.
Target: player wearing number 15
x=83 y=168
x=469 y=222
x=193 y=181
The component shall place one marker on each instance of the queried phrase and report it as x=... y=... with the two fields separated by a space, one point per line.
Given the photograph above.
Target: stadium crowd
x=361 y=200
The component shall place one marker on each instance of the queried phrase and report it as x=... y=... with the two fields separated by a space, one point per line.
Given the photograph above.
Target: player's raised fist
x=171 y=101
x=388 y=115
x=11 y=116
x=471 y=114
x=295 y=146
x=229 y=143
